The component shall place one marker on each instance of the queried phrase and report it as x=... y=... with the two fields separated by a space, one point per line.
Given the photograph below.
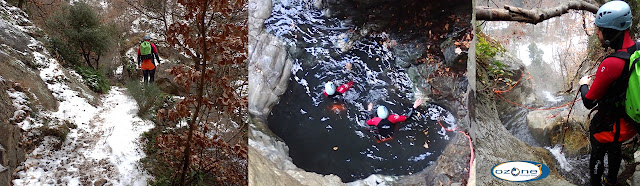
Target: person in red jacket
x=330 y=89
x=146 y=53
x=609 y=128
x=386 y=123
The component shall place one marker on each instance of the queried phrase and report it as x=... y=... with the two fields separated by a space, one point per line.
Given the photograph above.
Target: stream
x=329 y=135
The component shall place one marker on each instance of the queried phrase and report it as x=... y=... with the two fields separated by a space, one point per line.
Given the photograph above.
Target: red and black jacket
x=605 y=92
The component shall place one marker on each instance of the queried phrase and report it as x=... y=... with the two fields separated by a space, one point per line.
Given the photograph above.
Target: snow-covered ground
x=107 y=147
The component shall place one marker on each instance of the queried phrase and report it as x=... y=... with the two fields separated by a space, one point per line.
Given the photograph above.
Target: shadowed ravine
x=313 y=126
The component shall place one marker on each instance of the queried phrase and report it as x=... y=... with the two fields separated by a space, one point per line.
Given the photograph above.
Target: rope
x=565 y=125
x=473 y=156
x=552 y=116
x=499 y=92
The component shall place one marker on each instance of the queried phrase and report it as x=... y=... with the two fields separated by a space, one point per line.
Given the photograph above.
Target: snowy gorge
x=103 y=143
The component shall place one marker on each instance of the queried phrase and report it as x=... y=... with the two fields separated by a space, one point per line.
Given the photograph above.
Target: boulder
x=546 y=126
x=454 y=56
x=263 y=171
x=269 y=63
x=100 y=182
x=168 y=86
x=636 y=177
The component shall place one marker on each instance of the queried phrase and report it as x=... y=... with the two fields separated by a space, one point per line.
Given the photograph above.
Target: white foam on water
x=550 y=97
x=420 y=157
x=562 y=160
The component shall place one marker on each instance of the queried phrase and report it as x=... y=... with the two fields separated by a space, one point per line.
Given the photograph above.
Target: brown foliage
x=214 y=38
x=210 y=155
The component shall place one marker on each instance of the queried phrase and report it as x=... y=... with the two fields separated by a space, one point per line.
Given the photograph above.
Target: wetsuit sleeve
x=626 y=132
x=607 y=73
x=153 y=46
x=374 y=121
x=139 y=57
x=397 y=118
x=155 y=53
x=589 y=104
x=345 y=87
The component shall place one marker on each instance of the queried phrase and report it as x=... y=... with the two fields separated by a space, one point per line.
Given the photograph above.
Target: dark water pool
x=330 y=136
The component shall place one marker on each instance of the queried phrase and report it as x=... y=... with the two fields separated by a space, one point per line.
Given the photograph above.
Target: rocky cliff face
x=269 y=62
x=269 y=71
x=495 y=143
x=17 y=72
x=11 y=152
x=23 y=93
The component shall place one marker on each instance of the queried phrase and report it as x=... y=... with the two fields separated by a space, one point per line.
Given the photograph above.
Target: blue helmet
x=383 y=112
x=614 y=15
x=330 y=88
x=147 y=37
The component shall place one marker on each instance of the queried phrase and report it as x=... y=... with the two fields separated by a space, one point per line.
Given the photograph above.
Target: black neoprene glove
x=410 y=113
x=583 y=92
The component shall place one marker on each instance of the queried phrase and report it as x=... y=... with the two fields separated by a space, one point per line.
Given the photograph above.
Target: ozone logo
x=520 y=171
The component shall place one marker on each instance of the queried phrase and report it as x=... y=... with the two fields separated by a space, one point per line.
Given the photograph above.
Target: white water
x=562 y=160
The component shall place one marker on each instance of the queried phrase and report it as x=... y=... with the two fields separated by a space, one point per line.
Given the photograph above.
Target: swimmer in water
x=330 y=89
x=386 y=123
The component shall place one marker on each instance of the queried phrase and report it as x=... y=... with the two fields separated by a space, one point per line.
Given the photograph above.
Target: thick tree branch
x=533 y=16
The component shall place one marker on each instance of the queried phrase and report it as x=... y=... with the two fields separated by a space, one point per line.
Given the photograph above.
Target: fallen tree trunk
x=533 y=16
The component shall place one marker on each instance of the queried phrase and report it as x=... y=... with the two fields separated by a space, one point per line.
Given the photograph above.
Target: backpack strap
x=625 y=55
x=623 y=80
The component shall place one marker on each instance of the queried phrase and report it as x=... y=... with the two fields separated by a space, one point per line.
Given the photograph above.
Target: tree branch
x=144 y=12
x=533 y=16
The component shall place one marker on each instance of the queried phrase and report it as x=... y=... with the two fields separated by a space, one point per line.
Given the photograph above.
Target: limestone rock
x=100 y=182
x=498 y=146
x=269 y=63
x=636 y=177
x=167 y=86
x=454 y=57
x=263 y=171
x=546 y=126
x=11 y=154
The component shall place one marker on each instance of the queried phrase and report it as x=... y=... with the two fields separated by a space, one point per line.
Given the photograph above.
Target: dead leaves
x=209 y=153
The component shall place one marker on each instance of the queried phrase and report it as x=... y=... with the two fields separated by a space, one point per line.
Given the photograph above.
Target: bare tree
x=533 y=16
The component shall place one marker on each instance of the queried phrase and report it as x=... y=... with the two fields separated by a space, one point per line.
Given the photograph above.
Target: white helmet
x=330 y=88
x=614 y=15
x=383 y=112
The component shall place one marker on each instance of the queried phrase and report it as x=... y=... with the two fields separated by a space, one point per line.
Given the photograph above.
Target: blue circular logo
x=515 y=171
